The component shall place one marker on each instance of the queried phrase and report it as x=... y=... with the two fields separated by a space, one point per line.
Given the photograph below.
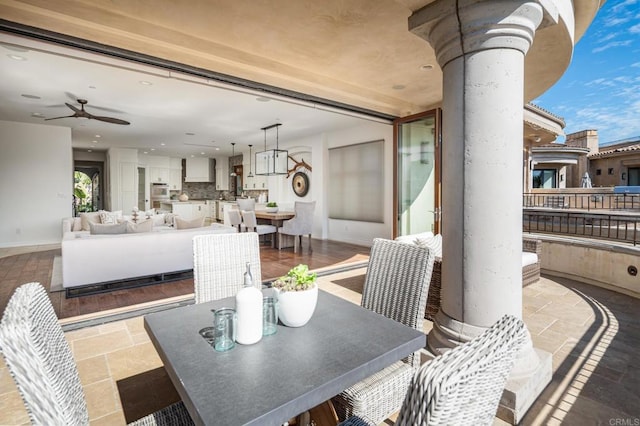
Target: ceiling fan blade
x=110 y=120
x=72 y=107
x=55 y=118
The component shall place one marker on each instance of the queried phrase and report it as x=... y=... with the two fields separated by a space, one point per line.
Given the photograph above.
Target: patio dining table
x=282 y=375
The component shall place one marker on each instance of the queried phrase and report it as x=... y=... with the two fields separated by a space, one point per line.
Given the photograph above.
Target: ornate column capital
x=456 y=28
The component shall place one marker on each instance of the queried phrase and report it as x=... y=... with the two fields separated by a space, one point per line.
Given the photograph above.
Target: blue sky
x=601 y=88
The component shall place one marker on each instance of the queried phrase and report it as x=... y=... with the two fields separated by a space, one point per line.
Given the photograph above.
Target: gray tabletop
x=282 y=375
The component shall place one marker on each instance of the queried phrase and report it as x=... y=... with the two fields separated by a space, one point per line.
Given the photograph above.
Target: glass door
x=418 y=174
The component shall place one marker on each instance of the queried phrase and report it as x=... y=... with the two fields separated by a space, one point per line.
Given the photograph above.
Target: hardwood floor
x=37 y=266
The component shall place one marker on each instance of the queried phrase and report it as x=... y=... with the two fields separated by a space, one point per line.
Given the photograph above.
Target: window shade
x=356 y=176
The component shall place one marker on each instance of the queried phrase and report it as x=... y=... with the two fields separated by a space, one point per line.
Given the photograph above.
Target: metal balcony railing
x=609 y=226
x=582 y=201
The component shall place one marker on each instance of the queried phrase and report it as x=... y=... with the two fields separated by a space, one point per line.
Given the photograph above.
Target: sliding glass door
x=417 y=174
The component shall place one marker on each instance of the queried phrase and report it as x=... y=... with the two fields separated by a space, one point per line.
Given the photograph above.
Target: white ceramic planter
x=271 y=209
x=295 y=308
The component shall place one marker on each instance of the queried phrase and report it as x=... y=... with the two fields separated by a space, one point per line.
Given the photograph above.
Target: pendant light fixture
x=233 y=154
x=250 y=175
x=271 y=162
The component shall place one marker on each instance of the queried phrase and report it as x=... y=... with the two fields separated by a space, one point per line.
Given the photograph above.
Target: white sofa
x=91 y=259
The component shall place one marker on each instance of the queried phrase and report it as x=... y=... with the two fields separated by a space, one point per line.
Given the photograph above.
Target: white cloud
x=635 y=64
x=612 y=44
x=635 y=29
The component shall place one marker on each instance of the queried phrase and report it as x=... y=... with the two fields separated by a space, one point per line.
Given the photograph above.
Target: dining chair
x=301 y=224
x=464 y=385
x=246 y=204
x=235 y=219
x=250 y=221
x=396 y=286
x=42 y=364
x=219 y=264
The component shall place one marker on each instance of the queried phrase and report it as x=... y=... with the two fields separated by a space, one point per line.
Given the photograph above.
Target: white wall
x=36 y=183
x=314 y=150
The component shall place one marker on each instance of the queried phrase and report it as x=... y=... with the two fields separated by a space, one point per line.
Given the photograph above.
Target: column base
x=520 y=393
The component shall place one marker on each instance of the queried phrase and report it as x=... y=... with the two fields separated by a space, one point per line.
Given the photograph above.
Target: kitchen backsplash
x=206 y=190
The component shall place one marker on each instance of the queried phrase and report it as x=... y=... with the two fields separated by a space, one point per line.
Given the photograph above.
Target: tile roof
x=608 y=152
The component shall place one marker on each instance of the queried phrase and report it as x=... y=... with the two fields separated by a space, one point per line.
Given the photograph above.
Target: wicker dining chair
x=219 y=264
x=41 y=363
x=396 y=286
x=464 y=385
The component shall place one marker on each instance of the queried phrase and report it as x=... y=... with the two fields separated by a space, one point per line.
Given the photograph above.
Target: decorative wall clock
x=300 y=184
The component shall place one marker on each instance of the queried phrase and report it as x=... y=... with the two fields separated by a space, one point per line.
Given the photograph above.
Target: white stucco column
x=480 y=46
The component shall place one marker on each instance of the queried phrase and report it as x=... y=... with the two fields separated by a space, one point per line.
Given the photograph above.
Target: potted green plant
x=272 y=207
x=297 y=294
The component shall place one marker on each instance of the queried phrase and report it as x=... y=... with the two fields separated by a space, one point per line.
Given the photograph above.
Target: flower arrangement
x=298 y=278
x=272 y=207
x=272 y=204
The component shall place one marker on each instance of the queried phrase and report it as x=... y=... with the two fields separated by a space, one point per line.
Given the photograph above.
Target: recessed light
x=17 y=57
x=94 y=141
x=30 y=96
x=14 y=48
x=153 y=149
x=202 y=153
x=145 y=83
x=36 y=114
x=217 y=148
x=89 y=150
x=262 y=99
x=98 y=136
x=144 y=152
x=190 y=134
x=398 y=87
x=163 y=144
x=426 y=67
x=192 y=155
x=92 y=87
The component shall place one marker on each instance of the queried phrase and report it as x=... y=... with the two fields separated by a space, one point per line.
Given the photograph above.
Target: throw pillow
x=99 y=228
x=136 y=228
x=188 y=224
x=158 y=219
x=109 y=218
x=86 y=218
x=77 y=224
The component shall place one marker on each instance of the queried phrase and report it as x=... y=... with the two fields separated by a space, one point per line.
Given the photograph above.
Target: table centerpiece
x=297 y=294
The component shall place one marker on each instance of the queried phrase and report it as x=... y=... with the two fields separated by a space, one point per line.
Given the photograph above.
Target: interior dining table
x=276 y=220
x=284 y=374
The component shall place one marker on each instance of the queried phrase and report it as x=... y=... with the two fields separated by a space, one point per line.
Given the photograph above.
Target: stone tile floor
x=593 y=334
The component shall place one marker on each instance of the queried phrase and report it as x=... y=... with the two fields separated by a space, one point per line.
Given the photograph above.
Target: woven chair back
x=464 y=385
x=397 y=283
x=219 y=264
x=40 y=359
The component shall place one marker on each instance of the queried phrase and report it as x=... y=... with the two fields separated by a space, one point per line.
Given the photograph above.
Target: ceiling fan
x=81 y=113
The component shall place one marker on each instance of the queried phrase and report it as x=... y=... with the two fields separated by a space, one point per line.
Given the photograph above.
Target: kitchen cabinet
x=175 y=174
x=198 y=170
x=222 y=173
x=157 y=168
x=190 y=209
x=252 y=183
x=158 y=174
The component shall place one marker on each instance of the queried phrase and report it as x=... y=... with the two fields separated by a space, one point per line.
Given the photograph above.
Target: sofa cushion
x=86 y=218
x=144 y=226
x=99 y=228
x=433 y=243
x=411 y=238
x=529 y=258
x=77 y=224
x=187 y=224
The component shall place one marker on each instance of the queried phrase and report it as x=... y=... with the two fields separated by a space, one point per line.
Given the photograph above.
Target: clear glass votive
x=269 y=316
x=224 y=322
